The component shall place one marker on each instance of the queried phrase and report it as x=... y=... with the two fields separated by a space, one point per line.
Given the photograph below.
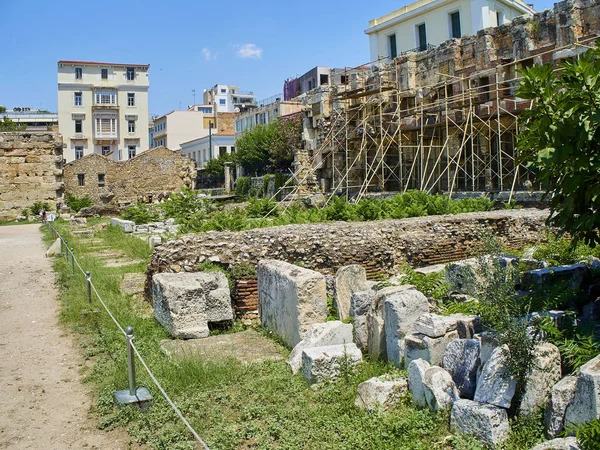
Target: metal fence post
x=130 y=361
x=73 y=260
x=61 y=246
x=134 y=395
x=88 y=282
x=66 y=252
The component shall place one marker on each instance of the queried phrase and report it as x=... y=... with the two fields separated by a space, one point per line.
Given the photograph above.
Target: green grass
x=232 y=406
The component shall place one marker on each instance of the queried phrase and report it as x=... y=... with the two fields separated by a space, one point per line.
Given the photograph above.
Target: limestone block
x=348 y=279
x=381 y=393
x=461 y=276
x=437 y=268
x=184 y=303
x=440 y=390
x=54 y=248
x=419 y=346
x=561 y=396
x=127 y=225
x=77 y=221
x=467 y=326
x=400 y=312
x=360 y=333
x=326 y=363
x=461 y=360
x=574 y=274
x=489 y=343
x=290 y=299
x=434 y=325
x=360 y=302
x=320 y=335
x=544 y=374
x=495 y=386
x=487 y=423
x=569 y=443
x=585 y=405
x=416 y=373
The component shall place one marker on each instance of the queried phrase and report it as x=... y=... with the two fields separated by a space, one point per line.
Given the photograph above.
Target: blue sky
x=188 y=44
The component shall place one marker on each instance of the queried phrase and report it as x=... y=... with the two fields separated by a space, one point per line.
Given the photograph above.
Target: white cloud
x=208 y=55
x=249 y=51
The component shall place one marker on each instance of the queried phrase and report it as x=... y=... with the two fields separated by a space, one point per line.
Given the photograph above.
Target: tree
x=8 y=125
x=561 y=141
x=252 y=149
x=287 y=139
x=215 y=168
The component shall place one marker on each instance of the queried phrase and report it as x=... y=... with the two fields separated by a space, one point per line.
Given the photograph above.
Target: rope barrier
x=136 y=351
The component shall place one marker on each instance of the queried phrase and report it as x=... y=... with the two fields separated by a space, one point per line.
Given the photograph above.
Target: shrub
x=36 y=208
x=185 y=204
x=242 y=186
x=140 y=213
x=588 y=434
x=262 y=208
x=78 y=203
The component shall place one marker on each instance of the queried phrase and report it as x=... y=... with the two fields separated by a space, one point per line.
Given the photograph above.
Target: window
x=499 y=18
x=344 y=79
x=131 y=126
x=421 y=37
x=222 y=151
x=78 y=126
x=81 y=179
x=484 y=89
x=130 y=73
x=106 y=126
x=104 y=74
x=78 y=73
x=79 y=154
x=105 y=150
x=131 y=151
x=232 y=149
x=100 y=179
x=392 y=47
x=131 y=99
x=324 y=79
x=223 y=91
x=455 y=25
x=221 y=101
x=78 y=99
x=105 y=97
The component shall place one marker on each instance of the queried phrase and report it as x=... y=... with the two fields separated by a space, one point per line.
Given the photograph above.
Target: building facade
x=204 y=149
x=103 y=108
x=269 y=110
x=431 y=22
x=34 y=119
x=176 y=127
x=227 y=98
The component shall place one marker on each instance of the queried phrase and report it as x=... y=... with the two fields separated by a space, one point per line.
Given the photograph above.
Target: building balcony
x=105 y=107
x=79 y=137
x=100 y=136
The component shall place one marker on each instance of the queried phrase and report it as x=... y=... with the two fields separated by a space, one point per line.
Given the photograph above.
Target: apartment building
x=204 y=149
x=34 y=119
x=430 y=22
x=103 y=108
x=266 y=112
x=176 y=127
x=315 y=78
x=228 y=98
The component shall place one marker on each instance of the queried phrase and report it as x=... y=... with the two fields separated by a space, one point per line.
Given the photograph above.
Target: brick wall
x=30 y=170
x=146 y=177
x=381 y=246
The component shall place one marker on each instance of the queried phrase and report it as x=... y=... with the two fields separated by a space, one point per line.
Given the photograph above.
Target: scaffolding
x=459 y=134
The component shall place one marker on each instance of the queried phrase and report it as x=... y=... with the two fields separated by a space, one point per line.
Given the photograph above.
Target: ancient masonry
x=30 y=171
x=147 y=177
x=380 y=247
x=441 y=120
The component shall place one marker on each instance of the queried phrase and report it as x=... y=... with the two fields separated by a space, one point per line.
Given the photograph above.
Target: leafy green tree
x=215 y=168
x=561 y=141
x=252 y=149
x=8 y=125
x=286 y=140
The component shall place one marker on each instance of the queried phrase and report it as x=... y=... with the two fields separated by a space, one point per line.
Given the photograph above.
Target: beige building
x=268 y=111
x=103 y=109
x=176 y=127
x=431 y=22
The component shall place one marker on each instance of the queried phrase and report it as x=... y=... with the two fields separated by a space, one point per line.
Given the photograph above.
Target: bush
x=140 y=213
x=262 y=208
x=36 y=208
x=242 y=186
x=78 y=203
x=185 y=204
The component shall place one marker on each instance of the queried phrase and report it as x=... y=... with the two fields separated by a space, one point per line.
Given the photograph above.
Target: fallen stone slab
x=486 y=423
x=461 y=276
x=569 y=443
x=585 y=405
x=416 y=373
x=495 y=386
x=419 y=346
x=82 y=233
x=381 y=393
x=467 y=325
x=434 y=325
x=54 y=249
x=348 y=279
x=321 y=364
x=77 y=222
x=544 y=374
x=290 y=299
x=437 y=268
x=133 y=283
x=185 y=303
x=574 y=274
x=320 y=335
x=461 y=360
x=246 y=347
x=561 y=396
x=126 y=225
x=440 y=390
x=360 y=333
x=360 y=302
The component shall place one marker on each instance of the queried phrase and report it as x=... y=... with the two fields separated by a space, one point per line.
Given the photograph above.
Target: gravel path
x=43 y=404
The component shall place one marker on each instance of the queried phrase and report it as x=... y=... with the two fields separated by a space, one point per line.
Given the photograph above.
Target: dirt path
x=43 y=404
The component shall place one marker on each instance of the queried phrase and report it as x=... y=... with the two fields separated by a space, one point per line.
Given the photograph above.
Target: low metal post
x=88 y=282
x=66 y=252
x=73 y=260
x=61 y=246
x=130 y=361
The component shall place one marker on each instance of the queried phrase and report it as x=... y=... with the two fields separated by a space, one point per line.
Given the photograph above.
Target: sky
x=190 y=45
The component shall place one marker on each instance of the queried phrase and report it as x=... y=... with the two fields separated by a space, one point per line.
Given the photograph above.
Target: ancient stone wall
x=30 y=170
x=146 y=177
x=380 y=247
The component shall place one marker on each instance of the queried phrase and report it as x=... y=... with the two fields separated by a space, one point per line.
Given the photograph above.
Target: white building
x=176 y=127
x=431 y=22
x=103 y=108
x=227 y=98
x=34 y=119
x=210 y=147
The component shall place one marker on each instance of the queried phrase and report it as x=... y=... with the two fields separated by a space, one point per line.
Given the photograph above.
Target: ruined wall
x=30 y=170
x=146 y=177
x=379 y=246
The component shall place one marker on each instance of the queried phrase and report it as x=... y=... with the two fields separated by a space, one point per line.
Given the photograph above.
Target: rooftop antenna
x=194 y=92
